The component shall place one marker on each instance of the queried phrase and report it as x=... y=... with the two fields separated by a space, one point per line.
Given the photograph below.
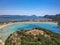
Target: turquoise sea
x=6 y=31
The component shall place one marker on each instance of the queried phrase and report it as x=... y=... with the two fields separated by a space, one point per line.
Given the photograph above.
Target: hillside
x=10 y=18
x=54 y=17
x=35 y=36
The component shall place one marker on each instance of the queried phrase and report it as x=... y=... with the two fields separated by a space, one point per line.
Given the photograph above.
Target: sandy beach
x=51 y=22
x=1 y=26
x=4 y=25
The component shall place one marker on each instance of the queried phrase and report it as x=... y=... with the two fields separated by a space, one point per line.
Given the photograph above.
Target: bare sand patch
x=35 y=32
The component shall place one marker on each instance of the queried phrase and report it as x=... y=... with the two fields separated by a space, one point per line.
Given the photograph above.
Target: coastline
x=10 y=23
x=4 y=25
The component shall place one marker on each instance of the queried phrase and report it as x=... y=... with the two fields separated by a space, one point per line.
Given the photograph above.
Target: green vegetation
x=57 y=18
x=21 y=38
x=59 y=23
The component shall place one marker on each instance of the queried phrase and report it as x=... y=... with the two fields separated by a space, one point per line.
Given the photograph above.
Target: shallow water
x=6 y=31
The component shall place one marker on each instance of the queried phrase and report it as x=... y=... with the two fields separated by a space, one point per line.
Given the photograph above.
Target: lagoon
x=6 y=31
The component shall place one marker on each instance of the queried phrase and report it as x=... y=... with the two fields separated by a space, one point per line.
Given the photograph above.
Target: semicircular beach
x=7 y=29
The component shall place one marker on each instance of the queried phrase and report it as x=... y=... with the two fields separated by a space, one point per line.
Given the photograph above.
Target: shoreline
x=4 y=25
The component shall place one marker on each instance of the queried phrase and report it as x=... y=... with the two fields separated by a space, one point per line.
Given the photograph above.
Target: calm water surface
x=6 y=31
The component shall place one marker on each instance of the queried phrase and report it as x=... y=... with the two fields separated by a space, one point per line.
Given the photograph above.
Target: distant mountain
x=4 y=18
x=18 y=16
x=49 y=16
x=54 y=17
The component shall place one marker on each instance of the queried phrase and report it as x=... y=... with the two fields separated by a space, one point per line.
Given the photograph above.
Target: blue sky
x=29 y=7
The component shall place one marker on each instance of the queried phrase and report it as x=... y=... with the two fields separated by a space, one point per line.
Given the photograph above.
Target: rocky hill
x=11 y=18
x=35 y=36
x=54 y=17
